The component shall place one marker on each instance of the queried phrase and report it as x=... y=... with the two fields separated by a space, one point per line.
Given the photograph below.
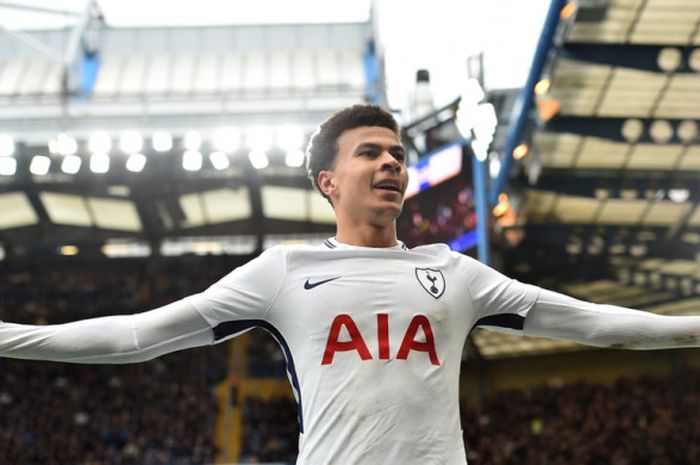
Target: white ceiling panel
x=618 y=211
x=538 y=203
x=66 y=209
x=601 y=153
x=227 y=205
x=191 y=205
x=16 y=211
x=570 y=209
x=691 y=159
x=115 y=214
x=654 y=156
x=666 y=213
x=556 y=150
x=321 y=210
x=694 y=218
x=284 y=203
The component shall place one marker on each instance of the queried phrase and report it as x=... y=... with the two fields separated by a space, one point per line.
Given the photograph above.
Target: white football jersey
x=373 y=339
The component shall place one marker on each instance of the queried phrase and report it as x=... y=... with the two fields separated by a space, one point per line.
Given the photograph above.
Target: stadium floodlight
x=8 y=166
x=258 y=158
x=162 y=141
x=99 y=142
x=99 y=163
x=193 y=141
x=7 y=145
x=290 y=137
x=71 y=164
x=131 y=142
x=259 y=138
x=226 y=140
x=494 y=164
x=40 y=165
x=136 y=162
x=294 y=158
x=69 y=250
x=66 y=144
x=192 y=160
x=678 y=195
x=219 y=160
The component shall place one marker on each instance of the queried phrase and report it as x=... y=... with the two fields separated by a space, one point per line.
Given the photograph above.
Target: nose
x=389 y=162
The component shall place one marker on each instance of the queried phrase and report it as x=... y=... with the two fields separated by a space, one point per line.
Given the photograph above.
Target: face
x=370 y=177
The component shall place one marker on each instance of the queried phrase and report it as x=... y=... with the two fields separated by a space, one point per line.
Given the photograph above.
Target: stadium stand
x=163 y=411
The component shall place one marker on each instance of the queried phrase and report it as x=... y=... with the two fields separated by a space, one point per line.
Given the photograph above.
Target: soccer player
x=372 y=331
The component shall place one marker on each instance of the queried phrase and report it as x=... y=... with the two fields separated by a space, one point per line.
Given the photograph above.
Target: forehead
x=352 y=138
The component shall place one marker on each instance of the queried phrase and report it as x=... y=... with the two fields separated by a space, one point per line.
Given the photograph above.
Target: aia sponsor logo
x=411 y=341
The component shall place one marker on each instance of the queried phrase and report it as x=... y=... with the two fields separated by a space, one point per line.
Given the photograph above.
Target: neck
x=367 y=235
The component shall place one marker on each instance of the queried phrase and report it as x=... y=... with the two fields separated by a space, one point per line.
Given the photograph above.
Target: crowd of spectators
x=270 y=432
x=641 y=421
x=158 y=412
x=439 y=214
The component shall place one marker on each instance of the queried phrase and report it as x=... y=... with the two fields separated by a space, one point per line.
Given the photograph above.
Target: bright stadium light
x=40 y=165
x=290 y=137
x=99 y=163
x=69 y=250
x=294 y=158
x=193 y=141
x=136 y=162
x=66 y=144
x=219 y=160
x=259 y=138
x=99 y=142
x=131 y=142
x=192 y=160
x=162 y=141
x=8 y=166
x=71 y=164
x=7 y=145
x=226 y=140
x=258 y=158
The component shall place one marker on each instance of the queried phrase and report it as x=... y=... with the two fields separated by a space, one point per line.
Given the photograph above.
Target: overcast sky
x=435 y=34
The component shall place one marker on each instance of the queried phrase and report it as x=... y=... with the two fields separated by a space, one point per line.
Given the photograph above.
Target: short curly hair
x=323 y=146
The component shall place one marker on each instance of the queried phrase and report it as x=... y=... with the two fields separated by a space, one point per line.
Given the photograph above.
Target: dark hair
x=323 y=146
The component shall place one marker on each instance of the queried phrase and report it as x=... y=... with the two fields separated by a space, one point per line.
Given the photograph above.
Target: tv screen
x=440 y=204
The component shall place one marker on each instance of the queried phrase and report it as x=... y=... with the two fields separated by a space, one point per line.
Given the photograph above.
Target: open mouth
x=388 y=186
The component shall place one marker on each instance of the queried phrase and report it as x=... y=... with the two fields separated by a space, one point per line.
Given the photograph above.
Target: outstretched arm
x=112 y=339
x=561 y=317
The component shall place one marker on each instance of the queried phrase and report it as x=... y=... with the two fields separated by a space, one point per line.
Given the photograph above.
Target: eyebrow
x=371 y=145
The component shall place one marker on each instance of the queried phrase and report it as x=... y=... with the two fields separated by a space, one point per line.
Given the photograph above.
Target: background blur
x=148 y=148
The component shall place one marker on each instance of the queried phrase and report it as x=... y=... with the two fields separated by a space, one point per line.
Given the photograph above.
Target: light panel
x=136 y=162
x=8 y=166
x=115 y=214
x=40 y=165
x=71 y=164
x=16 y=210
x=66 y=209
x=162 y=141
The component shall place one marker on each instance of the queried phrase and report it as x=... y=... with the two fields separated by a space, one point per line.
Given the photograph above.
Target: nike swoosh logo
x=308 y=285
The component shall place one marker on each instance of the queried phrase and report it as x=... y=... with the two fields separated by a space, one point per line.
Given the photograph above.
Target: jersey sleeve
x=243 y=297
x=559 y=316
x=500 y=303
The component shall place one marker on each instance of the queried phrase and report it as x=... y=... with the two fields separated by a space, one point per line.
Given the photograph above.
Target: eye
x=399 y=155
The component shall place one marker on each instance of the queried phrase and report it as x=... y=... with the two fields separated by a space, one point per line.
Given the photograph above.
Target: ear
x=326 y=182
